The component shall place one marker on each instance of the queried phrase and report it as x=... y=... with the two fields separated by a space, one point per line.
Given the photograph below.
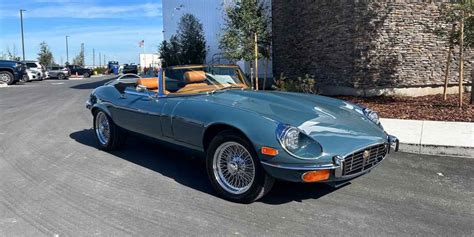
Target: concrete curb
x=433 y=137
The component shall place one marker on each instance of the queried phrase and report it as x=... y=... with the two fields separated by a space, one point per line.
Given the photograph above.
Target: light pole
x=67 y=50
x=22 y=36
x=93 y=58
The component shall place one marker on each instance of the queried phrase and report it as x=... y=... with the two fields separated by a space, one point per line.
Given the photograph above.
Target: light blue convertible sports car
x=248 y=137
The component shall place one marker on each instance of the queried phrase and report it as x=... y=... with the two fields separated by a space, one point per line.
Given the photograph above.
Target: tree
x=79 y=59
x=45 y=56
x=187 y=46
x=169 y=51
x=459 y=12
x=191 y=39
x=12 y=54
x=244 y=19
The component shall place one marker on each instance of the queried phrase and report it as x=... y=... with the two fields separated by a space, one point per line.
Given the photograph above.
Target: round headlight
x=297 y=143
x=372 y=115
x=290 y=138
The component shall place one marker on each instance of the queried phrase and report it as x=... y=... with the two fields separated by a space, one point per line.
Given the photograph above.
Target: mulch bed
x=431 y=107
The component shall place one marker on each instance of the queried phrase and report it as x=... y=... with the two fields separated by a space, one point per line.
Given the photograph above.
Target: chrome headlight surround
x=297 y=143
x=371 y=115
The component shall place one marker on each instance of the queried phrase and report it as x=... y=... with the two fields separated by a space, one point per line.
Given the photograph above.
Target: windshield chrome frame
x=162 y=78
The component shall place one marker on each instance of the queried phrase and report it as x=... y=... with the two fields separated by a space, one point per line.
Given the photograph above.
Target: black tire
x=7 y=78
x=86 y=74
x=25 y=78
x=61 y=76
x=117 y=136
x=262 y=182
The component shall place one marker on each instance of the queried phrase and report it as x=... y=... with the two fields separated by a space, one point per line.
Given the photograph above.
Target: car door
x=139 y=112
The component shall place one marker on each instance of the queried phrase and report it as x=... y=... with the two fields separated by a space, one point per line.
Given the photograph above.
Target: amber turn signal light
x=315 y=176
x=269 y=151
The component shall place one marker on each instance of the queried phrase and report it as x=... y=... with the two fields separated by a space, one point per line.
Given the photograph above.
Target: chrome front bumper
x=293 y=172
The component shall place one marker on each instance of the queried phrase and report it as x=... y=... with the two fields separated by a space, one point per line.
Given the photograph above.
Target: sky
x=112 y=27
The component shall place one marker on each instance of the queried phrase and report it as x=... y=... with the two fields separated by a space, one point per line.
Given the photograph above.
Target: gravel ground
x=431 y=107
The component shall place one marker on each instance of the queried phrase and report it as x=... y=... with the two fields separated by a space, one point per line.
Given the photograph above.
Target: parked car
x=35 y=70
x=34 y=75
x=248 y=138
x=58 y=72
x=12 y=71
x=132 y=68
x=79 y=70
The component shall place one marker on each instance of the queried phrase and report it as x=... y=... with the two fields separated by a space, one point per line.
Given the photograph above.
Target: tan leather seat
x=150 y=83
x=195 y=82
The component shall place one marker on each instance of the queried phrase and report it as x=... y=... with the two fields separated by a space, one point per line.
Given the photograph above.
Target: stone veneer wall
x=361 y=44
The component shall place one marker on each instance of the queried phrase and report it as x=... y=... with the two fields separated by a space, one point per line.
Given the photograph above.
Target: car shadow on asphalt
x=189 y=170
x=92 y=85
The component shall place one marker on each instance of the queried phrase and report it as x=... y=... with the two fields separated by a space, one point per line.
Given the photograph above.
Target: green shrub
x=306 y=84
x=100 y=70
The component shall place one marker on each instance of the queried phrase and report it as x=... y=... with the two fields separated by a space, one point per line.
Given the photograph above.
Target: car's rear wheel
x=109 y=136
x=234 y=169
x=60 y=76
x=25 y=78
x=86 y=74
x=6 y=77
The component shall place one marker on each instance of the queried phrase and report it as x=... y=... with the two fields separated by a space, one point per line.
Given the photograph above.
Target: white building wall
x=150 y=60
x=211 y=14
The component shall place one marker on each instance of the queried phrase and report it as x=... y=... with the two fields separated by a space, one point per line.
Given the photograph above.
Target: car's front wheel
x=6 y=77
x=60 y=76
x=86 y=74
x=109 y=136
x=234 y=170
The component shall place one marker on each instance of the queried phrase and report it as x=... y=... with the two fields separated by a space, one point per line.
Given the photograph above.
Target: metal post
x=67 y=50
x=83 y=55
x=93 y=58
x=461 y=59
x=22 y=35
x=256 y=63
x=100 y=60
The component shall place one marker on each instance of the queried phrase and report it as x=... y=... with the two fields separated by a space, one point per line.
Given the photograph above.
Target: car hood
x=329 y=121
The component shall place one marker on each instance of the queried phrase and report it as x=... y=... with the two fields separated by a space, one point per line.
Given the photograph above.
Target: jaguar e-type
x=248 y=138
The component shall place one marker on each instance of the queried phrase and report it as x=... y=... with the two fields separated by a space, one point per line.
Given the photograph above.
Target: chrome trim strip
x=393 y=142
x=363 y=148
x=315 y=167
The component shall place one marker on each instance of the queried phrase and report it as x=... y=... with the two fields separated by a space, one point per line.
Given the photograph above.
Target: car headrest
x=194 y=76
x=149 y=83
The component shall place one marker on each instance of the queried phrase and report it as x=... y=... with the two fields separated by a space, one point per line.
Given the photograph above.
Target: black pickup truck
x=11 y=71
x=86 y=72
x=130 y=69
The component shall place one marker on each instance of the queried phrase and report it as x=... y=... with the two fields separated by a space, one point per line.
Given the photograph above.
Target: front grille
x=355 y=163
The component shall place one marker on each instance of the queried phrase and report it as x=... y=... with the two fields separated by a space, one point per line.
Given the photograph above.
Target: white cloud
x=88 y=11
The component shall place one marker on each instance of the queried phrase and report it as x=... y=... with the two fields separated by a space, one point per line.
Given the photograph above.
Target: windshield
x=31 y=65
x=197 y=79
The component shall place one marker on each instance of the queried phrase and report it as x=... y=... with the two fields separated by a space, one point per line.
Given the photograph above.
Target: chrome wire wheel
x=233 y=167
x=102 y=128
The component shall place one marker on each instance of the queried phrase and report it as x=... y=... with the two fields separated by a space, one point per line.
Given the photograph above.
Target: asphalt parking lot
x=54 y=181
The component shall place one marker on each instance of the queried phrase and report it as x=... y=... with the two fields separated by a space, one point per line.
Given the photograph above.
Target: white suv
x=35 y=70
